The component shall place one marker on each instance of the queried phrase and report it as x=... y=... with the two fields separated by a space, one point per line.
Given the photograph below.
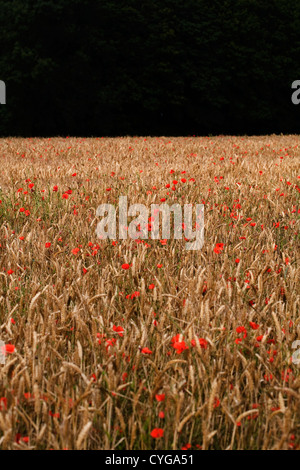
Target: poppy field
x=141 y=344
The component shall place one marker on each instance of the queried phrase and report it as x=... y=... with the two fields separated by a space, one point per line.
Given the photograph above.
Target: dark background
x=146 y=67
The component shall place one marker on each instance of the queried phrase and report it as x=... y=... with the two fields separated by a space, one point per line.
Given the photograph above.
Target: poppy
x=156 y=433
x=146 y=351
x=218 y=248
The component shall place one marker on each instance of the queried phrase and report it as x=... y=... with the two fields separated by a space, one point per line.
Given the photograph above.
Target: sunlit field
x=141 y=344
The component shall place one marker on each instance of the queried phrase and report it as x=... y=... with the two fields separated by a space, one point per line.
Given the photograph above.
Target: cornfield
x=142 y=344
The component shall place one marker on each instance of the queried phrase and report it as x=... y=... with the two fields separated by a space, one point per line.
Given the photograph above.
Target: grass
x=219 y=325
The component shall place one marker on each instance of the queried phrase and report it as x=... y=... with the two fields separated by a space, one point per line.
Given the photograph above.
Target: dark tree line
x=88 y=67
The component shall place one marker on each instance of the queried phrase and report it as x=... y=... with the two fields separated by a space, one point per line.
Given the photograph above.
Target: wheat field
x=141 y=344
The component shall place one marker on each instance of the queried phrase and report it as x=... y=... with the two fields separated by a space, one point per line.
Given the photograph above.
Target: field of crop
x=141 y=344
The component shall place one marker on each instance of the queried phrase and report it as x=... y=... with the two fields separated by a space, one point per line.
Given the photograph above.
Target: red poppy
x=218 y=248
x=8 y=349
x=118 y=329
x=156 y=433
x=216 y=402
x=146 y=351
x=160 y=397
x=241 y=329
x=3 y=403
x=180 y=346
x=203 y=343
